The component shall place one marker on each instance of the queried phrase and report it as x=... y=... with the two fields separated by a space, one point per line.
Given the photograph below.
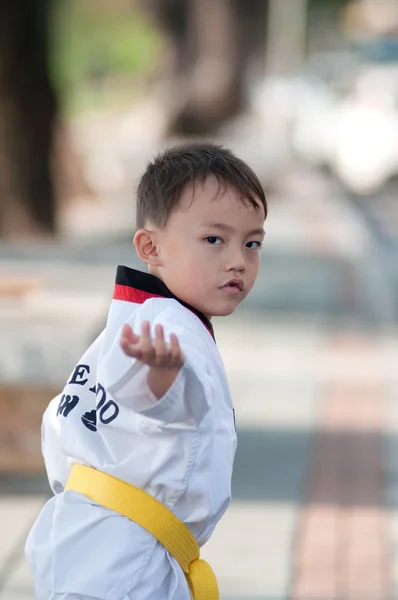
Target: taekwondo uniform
x=179 y=449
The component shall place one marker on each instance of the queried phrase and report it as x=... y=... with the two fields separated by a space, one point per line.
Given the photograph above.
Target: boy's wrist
x=160 y=380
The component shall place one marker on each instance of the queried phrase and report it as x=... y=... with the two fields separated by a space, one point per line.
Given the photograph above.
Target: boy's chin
x=224 y=312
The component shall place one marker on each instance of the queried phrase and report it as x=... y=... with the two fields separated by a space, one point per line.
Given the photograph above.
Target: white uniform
x=179 y=449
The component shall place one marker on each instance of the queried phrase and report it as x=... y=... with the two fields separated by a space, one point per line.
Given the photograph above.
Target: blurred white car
x=355 y=133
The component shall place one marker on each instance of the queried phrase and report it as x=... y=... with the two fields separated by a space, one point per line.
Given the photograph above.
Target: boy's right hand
x=153 y=352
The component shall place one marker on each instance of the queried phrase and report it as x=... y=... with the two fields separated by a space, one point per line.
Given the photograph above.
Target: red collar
x=135 y=286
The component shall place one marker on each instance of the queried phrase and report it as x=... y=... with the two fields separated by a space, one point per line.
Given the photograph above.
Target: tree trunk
x=27 y=113
x=213 y=43
x=210 y=87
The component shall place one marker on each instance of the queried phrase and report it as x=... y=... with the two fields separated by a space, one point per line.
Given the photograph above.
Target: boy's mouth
x=233 y=286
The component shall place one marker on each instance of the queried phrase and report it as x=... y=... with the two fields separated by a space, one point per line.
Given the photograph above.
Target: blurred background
x=307 y=92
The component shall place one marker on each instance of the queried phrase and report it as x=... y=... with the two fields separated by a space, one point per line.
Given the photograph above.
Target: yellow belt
x=152 y=515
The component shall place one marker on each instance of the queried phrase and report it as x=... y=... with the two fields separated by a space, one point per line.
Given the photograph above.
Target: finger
x=175 y=352
x=128 y=340
x=146 y=329
x=130 y=345
x=160 y=346
x=159 y=332
x=145 y=343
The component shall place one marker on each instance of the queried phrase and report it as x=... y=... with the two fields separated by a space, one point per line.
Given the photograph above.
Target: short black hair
x=165 y=178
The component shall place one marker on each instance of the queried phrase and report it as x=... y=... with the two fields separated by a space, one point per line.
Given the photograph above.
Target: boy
x=148 y=404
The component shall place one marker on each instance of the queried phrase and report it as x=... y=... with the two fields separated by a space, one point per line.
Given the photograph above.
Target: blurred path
x=380 y=212
x=315 y=475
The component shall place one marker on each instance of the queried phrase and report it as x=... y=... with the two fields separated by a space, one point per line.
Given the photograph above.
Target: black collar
x=136 y=286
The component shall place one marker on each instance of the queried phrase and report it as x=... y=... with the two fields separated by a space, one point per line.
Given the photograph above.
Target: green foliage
x=314 y=4
x=90 y=44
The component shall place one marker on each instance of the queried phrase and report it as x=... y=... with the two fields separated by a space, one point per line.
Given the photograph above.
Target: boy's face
x=209 y=250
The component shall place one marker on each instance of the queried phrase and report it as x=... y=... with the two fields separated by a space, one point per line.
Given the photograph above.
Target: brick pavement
x=16 y=515
x=343 y=538
x=343 y=547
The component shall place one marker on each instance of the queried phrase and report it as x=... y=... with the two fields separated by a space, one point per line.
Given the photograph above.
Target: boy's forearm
x=160 y=380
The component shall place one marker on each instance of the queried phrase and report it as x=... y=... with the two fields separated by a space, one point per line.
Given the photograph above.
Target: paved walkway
x=315 y=486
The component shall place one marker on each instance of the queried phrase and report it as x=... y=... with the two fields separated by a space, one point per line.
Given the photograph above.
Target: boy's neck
x=155 y=272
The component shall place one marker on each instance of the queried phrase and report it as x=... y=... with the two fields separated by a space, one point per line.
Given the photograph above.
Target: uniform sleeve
x=189 y=397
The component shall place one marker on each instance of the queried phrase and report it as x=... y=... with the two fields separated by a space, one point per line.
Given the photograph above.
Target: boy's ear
x=146 y=246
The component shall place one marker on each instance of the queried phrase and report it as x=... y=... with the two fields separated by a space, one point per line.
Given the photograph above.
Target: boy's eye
x=256 y=246
x=214 y=240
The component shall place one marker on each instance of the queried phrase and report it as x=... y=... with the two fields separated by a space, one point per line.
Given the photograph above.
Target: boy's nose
x=236 y=263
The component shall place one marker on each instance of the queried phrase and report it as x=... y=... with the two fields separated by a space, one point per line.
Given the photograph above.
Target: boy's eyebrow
x=225 y=227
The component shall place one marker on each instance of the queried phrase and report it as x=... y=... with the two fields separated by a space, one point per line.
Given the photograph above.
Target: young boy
x=147 y=413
